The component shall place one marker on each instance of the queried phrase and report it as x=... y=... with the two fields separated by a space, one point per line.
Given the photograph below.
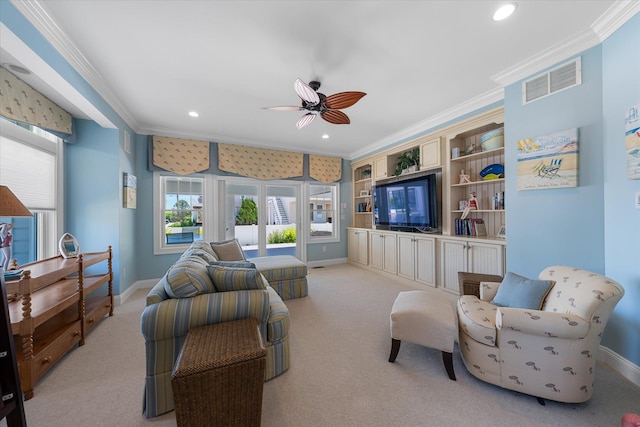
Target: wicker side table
x=219 y=375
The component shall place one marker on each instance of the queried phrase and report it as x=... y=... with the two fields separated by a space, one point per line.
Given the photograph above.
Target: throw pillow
x=229 y=250
x=236 y=264
x=187 y=278
x=519 y=292
x=235 y=279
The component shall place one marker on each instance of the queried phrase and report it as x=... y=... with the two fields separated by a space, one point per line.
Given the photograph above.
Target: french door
x=263 y=216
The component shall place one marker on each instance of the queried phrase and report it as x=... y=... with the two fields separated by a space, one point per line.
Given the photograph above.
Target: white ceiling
x=420 y=62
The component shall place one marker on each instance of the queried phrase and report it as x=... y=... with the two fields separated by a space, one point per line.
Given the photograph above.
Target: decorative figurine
x=5 y=244
x=464 y=178
x=472 y=205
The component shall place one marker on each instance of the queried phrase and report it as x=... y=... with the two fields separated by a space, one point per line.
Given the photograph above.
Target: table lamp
x=10 y=206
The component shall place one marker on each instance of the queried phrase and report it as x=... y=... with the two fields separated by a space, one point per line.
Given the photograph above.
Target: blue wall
x=621 y=89
x=557 y=226
x=91 y=190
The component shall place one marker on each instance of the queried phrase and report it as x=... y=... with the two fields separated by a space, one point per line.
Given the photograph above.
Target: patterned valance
x=260 y=163
x=180 y=156
x=324 y=168
x=21 y=102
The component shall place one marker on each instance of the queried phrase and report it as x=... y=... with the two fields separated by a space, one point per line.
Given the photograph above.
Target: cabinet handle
x=46 y=360
x=91 y=320
x=76 y=334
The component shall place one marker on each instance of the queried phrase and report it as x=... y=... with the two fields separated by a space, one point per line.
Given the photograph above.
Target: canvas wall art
x=129 y=190
x=548 y=161
x=632 y=141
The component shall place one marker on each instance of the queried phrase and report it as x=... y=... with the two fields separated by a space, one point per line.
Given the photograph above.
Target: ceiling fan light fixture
x=504 y=11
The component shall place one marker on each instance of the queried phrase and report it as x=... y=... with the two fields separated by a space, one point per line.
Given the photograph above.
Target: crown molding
x=35 y=12
x=432 y=122
x=614 y=17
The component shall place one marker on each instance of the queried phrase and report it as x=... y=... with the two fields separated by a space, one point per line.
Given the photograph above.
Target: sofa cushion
x=280 y=267
x=202 y=245
x=188 y=277
x=229 y=250
x=478 y=319
x=207 y=256
x=236 y=279
x=517 y=291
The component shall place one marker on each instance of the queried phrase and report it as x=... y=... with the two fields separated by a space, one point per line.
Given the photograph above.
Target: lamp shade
x=10 y=205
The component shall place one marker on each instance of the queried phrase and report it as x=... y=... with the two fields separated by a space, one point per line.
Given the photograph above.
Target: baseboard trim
x=621 y=365
x=140 y=284
x=325 y=262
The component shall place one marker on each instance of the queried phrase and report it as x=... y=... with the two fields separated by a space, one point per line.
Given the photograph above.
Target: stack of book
x=12 y=274
x=470 y=227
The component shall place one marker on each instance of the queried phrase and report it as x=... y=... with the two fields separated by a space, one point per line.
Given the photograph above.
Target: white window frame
x=209 y=216
x=335 y=203
x=50 y=222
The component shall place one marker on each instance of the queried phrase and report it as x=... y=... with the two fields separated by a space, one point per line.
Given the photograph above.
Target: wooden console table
x=57 y=305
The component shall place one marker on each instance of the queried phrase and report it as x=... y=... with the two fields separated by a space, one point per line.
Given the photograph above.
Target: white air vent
x=560 y=78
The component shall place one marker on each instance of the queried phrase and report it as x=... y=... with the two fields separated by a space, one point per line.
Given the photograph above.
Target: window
x=180 y=213
x=323 y=213
x=31 y=166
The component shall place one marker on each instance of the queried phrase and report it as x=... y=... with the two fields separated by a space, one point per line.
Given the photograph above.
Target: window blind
x=28 y=172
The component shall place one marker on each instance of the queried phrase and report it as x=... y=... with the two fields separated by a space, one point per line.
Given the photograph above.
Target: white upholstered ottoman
x=427 y=319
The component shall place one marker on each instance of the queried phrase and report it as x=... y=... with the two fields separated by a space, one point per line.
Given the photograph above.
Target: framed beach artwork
x=548 y=161
x=129 y=185
x=632 y=141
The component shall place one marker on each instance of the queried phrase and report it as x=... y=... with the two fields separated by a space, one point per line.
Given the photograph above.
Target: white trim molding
x=621 y=365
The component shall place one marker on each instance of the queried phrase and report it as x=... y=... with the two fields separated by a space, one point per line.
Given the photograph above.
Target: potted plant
x=408 y=161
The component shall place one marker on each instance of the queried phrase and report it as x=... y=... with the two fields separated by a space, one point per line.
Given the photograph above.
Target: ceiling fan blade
x=284 y=108
x=341 y=100
x=305 y=92
x=305 y=120
x=336 y=117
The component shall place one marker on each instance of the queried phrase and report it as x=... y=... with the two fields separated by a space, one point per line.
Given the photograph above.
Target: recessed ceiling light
x=504 y=11
x=325 y=136
x=16 y=68
x=194 y=114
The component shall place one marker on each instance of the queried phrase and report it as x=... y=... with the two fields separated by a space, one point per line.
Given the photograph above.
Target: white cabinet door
x=485 y=258
x=376 y=252
x=390 y=258
x=453 y=258
x=425 y=271
x=357 y=246
x=380 y=168
x=430 y=154
x=470 y=256
x=406 y=256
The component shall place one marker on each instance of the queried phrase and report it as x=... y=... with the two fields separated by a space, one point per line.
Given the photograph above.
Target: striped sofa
x=193 y=293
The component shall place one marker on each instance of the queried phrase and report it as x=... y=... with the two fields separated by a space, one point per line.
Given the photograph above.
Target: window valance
x=259 y=163
x=325 y=169
x=21 y=102
x=180 y=156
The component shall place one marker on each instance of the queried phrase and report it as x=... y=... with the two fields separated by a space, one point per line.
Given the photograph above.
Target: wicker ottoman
x=424 y=318
x=219 y=376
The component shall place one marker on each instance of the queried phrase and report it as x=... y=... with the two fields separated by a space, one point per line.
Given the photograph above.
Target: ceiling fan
x=317 y=103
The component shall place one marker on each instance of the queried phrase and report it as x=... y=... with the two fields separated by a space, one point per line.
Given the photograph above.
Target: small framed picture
x=502 y=232
x=68 y=246
x=364 y=193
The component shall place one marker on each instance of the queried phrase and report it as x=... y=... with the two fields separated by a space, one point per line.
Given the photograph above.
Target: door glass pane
x=242 y=217
x=281 y=220
x=322 y=210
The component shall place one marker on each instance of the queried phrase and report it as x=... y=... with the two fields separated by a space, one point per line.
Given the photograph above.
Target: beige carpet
x=339 y=374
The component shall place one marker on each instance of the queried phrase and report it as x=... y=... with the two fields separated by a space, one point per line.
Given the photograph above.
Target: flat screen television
x=408 y=205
